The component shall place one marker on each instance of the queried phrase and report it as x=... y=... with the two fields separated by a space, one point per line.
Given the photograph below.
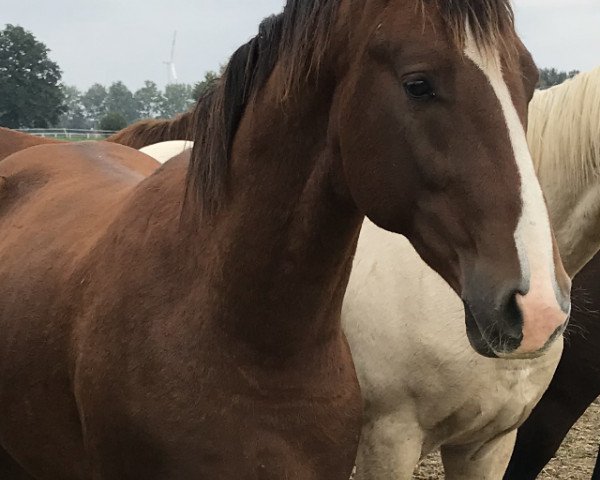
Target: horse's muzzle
x=516 y=326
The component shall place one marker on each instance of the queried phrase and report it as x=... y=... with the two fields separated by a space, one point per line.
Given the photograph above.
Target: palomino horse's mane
x=148 y=132
x=298 y=38
x=564 y=129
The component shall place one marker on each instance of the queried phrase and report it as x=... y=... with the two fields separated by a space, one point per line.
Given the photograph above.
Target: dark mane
x=148 y=132
x=298 y=38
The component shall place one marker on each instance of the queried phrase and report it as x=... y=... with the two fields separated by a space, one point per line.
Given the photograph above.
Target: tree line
x=549 y=77
x=32 y=93
x=114 y=107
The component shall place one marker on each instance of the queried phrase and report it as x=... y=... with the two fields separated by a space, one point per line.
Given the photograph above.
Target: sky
x=108 y=40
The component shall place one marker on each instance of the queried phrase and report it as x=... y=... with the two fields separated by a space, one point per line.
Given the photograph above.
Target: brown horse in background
x=140 y=134
x=12 y=141
x=148 y=132
x=142 y=339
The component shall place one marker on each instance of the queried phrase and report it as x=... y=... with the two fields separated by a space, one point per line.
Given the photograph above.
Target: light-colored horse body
x=424 y=387
x=164 y=151
x=564 y=138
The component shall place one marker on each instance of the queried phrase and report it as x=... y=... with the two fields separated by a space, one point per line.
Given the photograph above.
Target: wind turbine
x=171 y=72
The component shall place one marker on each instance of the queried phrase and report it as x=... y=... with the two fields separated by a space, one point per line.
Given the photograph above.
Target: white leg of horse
x=487 y=462
x=390 y=448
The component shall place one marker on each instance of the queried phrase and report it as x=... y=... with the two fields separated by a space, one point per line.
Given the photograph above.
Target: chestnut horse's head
x=424 y=105
x=430 y=122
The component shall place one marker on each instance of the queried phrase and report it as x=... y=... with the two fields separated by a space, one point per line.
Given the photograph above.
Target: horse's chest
x=497 y=398
x=215 y=417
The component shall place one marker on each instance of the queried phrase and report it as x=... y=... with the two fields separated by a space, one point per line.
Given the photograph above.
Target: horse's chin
x=476 y=338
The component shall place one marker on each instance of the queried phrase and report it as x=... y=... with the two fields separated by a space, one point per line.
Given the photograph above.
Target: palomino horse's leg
x=11 y=470
x=390 y=447
x=571 y=392
x=477 y=462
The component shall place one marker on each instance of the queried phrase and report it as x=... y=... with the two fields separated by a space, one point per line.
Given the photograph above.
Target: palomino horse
x=12 y=141
x=575 y=385
x=164 y=151
x=424 y=387
x=565 y=135
x=573 y=116
x=142 y=339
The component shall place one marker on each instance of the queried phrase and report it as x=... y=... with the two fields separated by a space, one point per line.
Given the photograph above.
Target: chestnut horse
x=12 y=141
x=149 y=333
x=149 y=131
x=141 y=134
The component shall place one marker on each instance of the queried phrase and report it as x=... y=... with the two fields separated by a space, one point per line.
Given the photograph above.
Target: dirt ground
x=574 y=461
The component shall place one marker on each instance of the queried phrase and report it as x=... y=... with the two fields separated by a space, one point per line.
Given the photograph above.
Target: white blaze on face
x=541 y=309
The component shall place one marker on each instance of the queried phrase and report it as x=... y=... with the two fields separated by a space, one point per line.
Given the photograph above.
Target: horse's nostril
x=512 y=320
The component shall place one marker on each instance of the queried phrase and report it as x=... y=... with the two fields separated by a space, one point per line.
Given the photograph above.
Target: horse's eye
x=419 y=89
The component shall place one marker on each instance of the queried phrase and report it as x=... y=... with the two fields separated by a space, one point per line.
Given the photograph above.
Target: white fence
x=68 y=133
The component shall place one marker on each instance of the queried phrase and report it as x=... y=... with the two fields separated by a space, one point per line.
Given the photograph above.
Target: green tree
x=113 y=121
x=549 y=77
x=120 y=100
x=148 y=100
x=200 y=88
x=74 y=116
x=176 y=99
x=30 y=93
x=94 y=104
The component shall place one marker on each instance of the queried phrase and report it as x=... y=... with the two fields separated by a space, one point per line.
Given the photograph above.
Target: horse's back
x=85 y=165
x=82 y=158
x=12 y=141
x=55 y=201
x=61 y=195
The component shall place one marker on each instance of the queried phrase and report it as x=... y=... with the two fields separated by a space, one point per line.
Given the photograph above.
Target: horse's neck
x=575 y=216
x=285 y=239
x=573 y=204
x=563 y=139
